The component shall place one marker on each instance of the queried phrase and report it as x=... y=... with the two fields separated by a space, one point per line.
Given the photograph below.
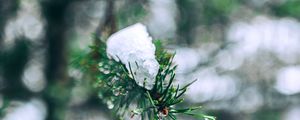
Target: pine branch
x=117 y=86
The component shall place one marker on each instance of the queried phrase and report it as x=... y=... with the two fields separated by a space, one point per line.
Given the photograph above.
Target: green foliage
x=289 y=8
x=268 y=114
x=3 y=107
x=133 y=14
x=117 y=88
x=12 y=64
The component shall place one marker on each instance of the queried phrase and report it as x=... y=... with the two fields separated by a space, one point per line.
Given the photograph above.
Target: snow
x=186 y=65
x=162 y=13
x=33 y=77
x=288 y=80
x=35 y=109
x=293 y=113
x=208 y=82
x=27 y=23
x=133 y=46
x=278 y=36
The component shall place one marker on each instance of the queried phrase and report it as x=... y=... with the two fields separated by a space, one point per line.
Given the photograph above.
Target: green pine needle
x=116 y=84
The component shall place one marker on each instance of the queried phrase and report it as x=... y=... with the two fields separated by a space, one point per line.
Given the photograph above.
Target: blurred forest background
x=244 y=53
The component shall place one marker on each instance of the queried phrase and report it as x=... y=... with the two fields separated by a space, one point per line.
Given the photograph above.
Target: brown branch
x=108 y=26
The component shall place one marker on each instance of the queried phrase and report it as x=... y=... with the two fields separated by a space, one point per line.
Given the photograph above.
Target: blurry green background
x=244 y=53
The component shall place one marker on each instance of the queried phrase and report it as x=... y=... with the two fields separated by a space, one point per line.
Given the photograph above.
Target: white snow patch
x=211 y=87
x=292 y=113
x=27 y=23
x=33 y=77
x=288 y=80
x=249 y=100
x=278 y=36
x=134 y=47
x=186 y=59
x=162 y=13
x=33 y=110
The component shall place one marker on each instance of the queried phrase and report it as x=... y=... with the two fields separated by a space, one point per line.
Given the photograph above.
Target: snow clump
x=133 y=47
